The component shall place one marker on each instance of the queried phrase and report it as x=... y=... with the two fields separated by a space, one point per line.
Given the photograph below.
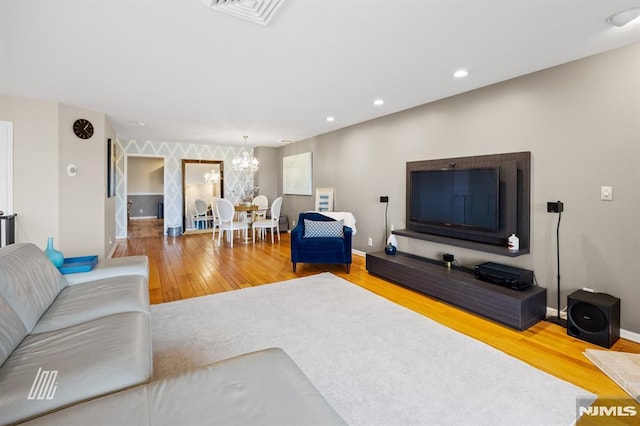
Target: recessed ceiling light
x=621 y=19
x=330 y=119
x=141 y=123
x=378 y=102
x=461 y=73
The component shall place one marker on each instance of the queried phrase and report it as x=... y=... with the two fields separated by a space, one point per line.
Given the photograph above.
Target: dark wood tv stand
x=458 y=286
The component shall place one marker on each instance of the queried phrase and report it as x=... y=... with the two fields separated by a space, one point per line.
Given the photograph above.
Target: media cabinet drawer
x=459 y=287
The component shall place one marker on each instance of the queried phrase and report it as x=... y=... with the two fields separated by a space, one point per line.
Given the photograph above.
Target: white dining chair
x=226 y=222
x=273 y=223
x=200 y=216
x=215 y=222
x=263 y=205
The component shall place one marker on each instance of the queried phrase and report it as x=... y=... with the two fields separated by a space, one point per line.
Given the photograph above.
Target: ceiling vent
x=257 y=11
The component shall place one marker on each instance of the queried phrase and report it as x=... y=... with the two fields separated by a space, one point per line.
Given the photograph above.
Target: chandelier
x=212 y=176
x=244 y=162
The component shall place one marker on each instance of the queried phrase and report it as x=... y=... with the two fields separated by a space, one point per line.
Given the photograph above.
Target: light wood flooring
x=139 y=228
x=192 y=265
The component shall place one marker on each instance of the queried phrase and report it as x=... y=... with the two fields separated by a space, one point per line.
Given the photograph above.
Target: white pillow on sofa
x=323 y=229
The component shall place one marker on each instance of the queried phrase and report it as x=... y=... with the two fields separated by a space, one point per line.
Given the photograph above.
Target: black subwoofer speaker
x=593 y=317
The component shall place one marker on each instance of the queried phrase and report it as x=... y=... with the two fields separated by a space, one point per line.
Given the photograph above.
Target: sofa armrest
x=113 y=267
x=264 y=387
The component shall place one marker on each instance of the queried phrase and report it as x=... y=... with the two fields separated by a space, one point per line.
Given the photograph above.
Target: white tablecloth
x=349 y=219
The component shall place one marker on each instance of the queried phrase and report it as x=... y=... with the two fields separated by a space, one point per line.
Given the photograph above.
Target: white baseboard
x=552 y=312
x=358 y=252
x=630 y=335
x=113 y=250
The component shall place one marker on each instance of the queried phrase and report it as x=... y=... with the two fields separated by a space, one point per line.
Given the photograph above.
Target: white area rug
x=376 y=362
x=623 y=368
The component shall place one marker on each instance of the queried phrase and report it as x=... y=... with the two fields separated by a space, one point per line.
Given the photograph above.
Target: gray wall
x=267 y=177
x=74 y=211
x=581 y=122
x=86 y=193
x=146 y=206
x=145 y=175
x=35 y=168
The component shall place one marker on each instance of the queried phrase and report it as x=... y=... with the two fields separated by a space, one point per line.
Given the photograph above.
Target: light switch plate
x=606 y=193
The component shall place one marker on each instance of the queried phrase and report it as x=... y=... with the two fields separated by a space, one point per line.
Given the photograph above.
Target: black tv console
x=459 y=287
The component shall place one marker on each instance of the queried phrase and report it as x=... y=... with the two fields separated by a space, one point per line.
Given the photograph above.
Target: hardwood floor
x=193 y=265
x=145 y=228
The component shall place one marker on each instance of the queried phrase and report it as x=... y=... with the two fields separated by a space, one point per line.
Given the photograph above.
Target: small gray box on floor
x=283 y=223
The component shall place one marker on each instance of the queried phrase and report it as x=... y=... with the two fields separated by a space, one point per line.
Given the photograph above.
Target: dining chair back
x=263 y=205
x=215 y=222
x=272 y=223
x=200 y=216
x=226 y=222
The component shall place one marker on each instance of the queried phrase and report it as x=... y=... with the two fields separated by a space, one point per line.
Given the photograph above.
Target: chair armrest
x=348 y=232
x=296 y=235
x=348 y=235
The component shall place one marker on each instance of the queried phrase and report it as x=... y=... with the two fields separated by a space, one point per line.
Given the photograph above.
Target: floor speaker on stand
x=593 y=317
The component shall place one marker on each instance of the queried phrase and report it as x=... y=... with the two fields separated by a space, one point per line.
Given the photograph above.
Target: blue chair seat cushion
x=322 y=245
x=323 y=229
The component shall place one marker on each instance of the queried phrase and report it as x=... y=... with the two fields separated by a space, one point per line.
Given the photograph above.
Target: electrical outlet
x=555 y=207
x=392 y=227
x=370 y=242
x=293 y=222
x=140 y=210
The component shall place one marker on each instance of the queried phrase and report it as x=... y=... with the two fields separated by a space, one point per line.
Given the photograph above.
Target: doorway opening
x=145 y=196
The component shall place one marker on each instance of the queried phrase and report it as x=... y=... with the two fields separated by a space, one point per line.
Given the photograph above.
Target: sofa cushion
x=12 y=330
x=259 y=388
x=28 y=281
x=84 y=302
x=323 y=229
x=91 y=359
x=107 y=268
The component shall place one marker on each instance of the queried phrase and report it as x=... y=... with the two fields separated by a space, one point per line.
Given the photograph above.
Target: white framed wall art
x=324 y=199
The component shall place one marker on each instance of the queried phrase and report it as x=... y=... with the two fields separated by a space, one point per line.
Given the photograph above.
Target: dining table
x=248 y=208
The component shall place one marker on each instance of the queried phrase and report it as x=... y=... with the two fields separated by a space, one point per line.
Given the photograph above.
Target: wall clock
x=83 y=128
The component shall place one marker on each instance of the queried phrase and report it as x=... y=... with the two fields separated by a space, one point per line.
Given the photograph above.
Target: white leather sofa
x=259 y=388
x=93 y=337
x=92 y=329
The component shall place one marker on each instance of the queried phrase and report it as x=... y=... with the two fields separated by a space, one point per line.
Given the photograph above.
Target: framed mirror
x=201 y=180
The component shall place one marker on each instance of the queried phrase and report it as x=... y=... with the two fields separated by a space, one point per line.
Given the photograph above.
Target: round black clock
x=83 y=128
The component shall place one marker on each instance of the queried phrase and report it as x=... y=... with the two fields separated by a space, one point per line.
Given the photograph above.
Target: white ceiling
x=193 y=74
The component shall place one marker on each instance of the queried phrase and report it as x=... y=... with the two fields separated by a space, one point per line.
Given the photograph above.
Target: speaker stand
x=559 y=321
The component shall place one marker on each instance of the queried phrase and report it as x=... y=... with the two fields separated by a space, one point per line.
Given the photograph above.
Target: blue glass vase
x=390 y=249
x=56 y=257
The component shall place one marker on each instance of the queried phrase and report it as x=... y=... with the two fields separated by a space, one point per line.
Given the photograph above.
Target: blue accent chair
x=333 y=250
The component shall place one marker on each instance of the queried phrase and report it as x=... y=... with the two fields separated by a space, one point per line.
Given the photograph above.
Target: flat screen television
x=473 y=202
x=456 y=198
